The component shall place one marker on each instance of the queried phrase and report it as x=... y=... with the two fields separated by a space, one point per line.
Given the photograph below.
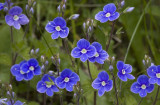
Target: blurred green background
x=146 y=41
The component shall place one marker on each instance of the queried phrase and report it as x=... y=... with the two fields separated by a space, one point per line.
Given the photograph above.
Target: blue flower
x=154 y=73
x=1 y=6
x=5 y=5
x=100 y=56
x=142 y=86
x=83 y=50
x=108 y=13
x=67 y=80
x=102 y=83
x=47 y=85
x=14 y=103
x=15 y=18
x=58 y=28
x=124 y=70
x=17 y=72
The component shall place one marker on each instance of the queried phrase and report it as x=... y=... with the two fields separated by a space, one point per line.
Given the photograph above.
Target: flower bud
x=31 y=10
x=122 y=3
x=37 y=50
x=130 y=9
x=74 y=16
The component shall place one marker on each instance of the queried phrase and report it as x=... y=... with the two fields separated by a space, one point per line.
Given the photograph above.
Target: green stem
x=156 y=96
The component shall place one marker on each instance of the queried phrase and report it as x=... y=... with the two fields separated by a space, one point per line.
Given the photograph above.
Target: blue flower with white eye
x=124 y=70
x=67 y=80
x=58 y=28
x=142 y=86
x=83 y=50
x=47 y=85
x=16 y=18
x=17 y=72
x=100 y=56
x=102 y=83
x=14 y=103
x=154 y=74
x=108 y=13
x=30 y=68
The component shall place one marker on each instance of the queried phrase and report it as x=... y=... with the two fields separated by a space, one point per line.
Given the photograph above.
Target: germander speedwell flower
x=58 y=28
x=102 y=83
x=47 y=84
x=83 y=50
x=154 y=73
x=100 y=56
x=14 y=103
x=142 y=86
x=108 y=13
x=15 y=18
x=124 y=70
x=67 y=80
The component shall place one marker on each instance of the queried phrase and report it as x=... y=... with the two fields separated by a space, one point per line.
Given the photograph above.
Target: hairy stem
x=89 y=70
x=156 y=96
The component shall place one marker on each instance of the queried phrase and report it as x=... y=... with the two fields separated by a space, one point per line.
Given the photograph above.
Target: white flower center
x=66 y=79
x=143 y=86
x=108 y=15
x=22 y=72
x=158 y=75
x=48 y=86
x=96 y=55
x=16 y=17
x=83 y=51
x=31 y=68
x=123 y=71
x=58 y=28
x=103 y=83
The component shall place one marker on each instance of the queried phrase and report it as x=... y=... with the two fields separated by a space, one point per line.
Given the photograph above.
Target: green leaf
x=5 y=59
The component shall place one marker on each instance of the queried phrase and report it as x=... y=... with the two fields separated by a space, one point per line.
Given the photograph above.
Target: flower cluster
x=5 y=5
x=26 y=69
x=49 y=84
x=94 y=52
x=102 y=83
x=58 y=28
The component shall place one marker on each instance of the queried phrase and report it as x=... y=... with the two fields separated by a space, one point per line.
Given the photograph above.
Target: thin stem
x=89 y=70
x=115 y=88
x=28 y=85
x=135 y=30
x=95 y=97
x=61 y=99
x=78 y=99
x=44 y=99
x=156 y=96
x=110 y=38
x=140 y=101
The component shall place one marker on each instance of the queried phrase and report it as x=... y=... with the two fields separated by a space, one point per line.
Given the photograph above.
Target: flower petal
x=60 y=82
x=64 y=33
x=152 y=70
x=109 y=8
x=19 y=78
x=153 y=80
x=83 y=44
x=74 y=78
x=83 y=57
x=100 y=61
x=69 y=87
x=91 y=51
x=103 y=55
x=101 y=91
x=128 y=68
x=16 y=10
x=41 y=88
x=129 y=76
x=96 y=84
x=55 y=35
x=97 y=46
x=76 y=52
x=114 y=16
x=143 y=79
x=37 y=70
x=15 y=69
x=59 y=21
x=32 y=62
x=50 y=27
x=150 y=88
x=49 y=92
x=101 y=17
x=1 y=6
x=54 y=88
x=120 y=65
x=143 y=93
x=16 y=25
x=23 y=19
x=92 y=59
x=158 y=81
x=28 y=76
x=25 y=67
x=18 y=103
x=121 y=76
x=103 y=76
x=45 y=78
x=108 y=87
x=66 y=73
x=135 y=88
x=9 y=20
